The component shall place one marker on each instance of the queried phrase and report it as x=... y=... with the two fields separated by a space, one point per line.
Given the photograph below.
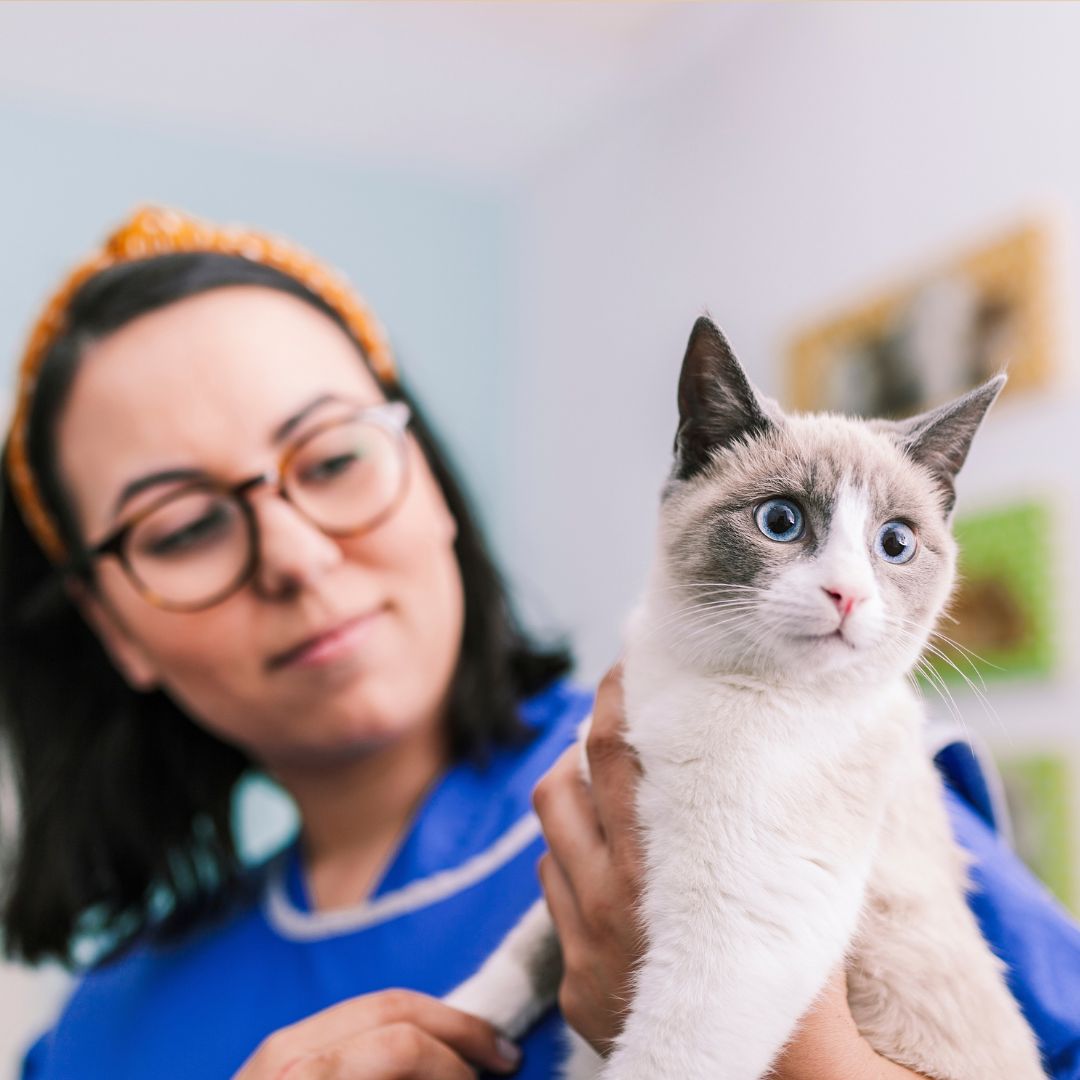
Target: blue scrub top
x=464 y=873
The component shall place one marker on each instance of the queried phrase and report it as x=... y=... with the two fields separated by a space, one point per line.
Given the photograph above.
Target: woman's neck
x=354 y=812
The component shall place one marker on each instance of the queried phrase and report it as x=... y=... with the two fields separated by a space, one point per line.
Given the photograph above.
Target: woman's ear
x=126 y=654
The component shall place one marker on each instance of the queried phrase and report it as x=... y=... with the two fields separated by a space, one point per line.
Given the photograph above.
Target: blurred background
x=877 y=202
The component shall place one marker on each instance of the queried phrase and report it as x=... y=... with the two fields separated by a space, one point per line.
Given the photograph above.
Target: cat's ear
x=717 y=404
x=940 y=439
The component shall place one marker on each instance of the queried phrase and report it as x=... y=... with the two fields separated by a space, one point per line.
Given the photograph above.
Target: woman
x=238 y=547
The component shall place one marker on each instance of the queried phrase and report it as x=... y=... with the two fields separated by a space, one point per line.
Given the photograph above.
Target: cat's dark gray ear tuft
x=717 y=404
x=940 y=439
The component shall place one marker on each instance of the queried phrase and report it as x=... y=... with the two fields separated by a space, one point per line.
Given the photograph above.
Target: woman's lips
x=330 y=646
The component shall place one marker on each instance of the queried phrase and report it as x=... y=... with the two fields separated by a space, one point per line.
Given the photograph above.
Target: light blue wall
x=432 y=255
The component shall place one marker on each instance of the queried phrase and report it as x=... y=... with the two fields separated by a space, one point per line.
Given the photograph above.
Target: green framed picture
x=1001 y=620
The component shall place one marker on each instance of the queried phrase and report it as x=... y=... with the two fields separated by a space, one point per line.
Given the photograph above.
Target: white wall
x=824 y=150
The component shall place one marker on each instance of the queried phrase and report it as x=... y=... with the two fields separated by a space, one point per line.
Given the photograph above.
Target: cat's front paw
x=506 y=1002
x=474 y=997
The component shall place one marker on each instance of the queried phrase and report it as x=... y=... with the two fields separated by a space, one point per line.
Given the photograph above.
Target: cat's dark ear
x=717 y=404
x=940 y=439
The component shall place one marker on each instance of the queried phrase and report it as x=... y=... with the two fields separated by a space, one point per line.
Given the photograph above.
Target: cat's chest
x=693 y=717
x=721 y=753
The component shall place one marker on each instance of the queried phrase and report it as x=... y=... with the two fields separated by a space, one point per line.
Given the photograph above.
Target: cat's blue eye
x=780 y=519
x=896 y=542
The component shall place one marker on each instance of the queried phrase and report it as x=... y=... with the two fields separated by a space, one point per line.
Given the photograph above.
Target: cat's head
x=804 y=546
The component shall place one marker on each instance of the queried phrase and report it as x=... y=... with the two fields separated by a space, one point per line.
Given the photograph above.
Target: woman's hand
x=827 y=1044
x=591 y=875
x=391 y=1035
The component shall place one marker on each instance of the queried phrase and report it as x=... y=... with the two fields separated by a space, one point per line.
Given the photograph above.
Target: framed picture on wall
x=934 y=335
x=1001 y=620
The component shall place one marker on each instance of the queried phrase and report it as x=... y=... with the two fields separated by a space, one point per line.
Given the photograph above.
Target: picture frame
x=934 y=334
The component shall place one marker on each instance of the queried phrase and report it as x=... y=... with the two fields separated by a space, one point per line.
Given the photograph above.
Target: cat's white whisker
x=701 y=612
x=970 y=654
x=934 y=679
x=708 y=614
x=983 y=700
x=716 y=585
x=966 y=654
x=702 y=632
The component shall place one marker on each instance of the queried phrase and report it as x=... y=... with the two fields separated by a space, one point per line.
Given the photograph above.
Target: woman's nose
x=293 y=552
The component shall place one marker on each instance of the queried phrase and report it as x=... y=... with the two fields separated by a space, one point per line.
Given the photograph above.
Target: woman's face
x=203 y=383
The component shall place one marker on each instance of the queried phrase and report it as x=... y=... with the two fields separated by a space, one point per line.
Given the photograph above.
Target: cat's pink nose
x=846 y=600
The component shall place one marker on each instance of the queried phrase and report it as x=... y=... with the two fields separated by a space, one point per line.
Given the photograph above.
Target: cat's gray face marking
x=830 y=600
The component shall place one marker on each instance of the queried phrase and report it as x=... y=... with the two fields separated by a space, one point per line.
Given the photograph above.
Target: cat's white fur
x=792 y=822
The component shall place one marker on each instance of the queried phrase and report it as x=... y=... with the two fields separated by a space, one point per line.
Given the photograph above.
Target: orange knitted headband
x=152 y=231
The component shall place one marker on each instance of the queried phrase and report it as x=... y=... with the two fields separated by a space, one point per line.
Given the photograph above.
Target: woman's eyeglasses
x=199 y=544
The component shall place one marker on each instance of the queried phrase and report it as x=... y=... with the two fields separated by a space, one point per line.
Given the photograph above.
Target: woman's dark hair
x=125 y=805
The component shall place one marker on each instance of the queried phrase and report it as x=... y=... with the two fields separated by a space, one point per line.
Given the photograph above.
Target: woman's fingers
x=568 y=817
x=825 y=1038
x=581 y=825
x=593 y=1013
x=592 y=870
x=615 y=770
x=469 y=1037
x=399 y=1051
x=561 y=902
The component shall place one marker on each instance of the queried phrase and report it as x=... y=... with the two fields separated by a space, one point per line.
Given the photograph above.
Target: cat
x=791 y=818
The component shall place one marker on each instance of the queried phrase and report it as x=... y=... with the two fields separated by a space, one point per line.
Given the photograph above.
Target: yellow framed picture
x=934 y=335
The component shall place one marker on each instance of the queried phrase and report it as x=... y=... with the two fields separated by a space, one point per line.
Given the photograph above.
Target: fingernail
x=510 y=1053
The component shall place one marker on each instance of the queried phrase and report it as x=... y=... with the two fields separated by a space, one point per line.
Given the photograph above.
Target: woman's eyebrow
x=141 y=483
x=285 y=429
x=175 y=476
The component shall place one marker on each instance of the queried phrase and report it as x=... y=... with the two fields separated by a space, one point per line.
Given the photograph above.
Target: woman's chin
x=321 y=733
